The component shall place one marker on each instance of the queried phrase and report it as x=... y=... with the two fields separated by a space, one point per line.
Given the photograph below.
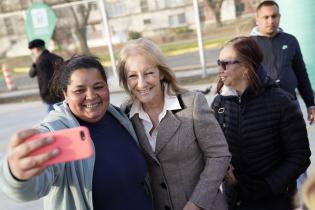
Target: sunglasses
x=223 y=64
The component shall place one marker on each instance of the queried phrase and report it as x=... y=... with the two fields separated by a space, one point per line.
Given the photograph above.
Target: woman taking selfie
x=112 y=179
x=264 y=129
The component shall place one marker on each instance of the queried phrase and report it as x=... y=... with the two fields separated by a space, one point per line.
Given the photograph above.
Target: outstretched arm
x=23 y=177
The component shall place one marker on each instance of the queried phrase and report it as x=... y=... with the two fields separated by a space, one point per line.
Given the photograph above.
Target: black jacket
x=284 y=62
x=267 y=138
x=44 y=68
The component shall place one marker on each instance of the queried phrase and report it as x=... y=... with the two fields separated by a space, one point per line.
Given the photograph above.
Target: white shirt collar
x=227 y=91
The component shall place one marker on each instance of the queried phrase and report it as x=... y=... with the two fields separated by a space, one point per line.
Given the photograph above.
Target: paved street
x=23 y=115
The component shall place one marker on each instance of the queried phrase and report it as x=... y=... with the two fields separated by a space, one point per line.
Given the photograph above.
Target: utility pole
x=109 y=39
x=199 y=36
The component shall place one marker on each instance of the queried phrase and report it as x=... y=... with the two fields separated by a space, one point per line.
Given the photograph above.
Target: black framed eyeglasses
x=223 y=64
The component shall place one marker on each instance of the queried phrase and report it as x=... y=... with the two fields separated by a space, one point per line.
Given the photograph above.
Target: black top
x=284 y=62
x=120 y=168
x=267 y=138
x=44 y=68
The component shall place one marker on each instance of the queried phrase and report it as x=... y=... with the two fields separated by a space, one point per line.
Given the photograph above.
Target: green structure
x=40 y=22
x=297 y=18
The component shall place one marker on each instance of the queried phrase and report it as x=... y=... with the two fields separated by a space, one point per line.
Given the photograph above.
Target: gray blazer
x=191 y=156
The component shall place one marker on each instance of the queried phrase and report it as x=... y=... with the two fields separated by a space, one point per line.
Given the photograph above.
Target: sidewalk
x=32 y=93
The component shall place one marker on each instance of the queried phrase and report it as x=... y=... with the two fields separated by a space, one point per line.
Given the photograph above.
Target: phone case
x=73 y=144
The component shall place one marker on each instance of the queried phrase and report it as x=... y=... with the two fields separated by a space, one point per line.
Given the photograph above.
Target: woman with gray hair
x=184 y=147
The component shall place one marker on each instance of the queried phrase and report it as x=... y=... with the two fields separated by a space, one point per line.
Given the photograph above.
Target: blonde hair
x=147 y=48
x=308 y=192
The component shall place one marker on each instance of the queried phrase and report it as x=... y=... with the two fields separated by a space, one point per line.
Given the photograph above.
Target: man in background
x=43 y=67
x=283 y=58
x=282 y=55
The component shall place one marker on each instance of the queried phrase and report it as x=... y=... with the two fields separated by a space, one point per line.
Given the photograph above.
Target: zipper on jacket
x=239 y=116
x=239 y=132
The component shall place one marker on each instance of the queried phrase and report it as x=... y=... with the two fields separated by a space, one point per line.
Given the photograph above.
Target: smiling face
x=87 y=94
x=144 y=79
x=268 y=19
x=234 y=74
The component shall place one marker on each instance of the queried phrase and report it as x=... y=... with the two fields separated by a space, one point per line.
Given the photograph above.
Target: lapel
x=144 y=141
x=166 y=130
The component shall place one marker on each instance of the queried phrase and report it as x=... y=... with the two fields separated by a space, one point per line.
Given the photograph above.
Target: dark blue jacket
x=284 y=62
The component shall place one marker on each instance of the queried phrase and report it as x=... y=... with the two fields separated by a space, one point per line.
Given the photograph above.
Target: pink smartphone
x=73 y=144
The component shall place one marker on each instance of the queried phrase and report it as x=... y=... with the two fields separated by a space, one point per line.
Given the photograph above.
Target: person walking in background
x=43 y=67
x=264 y=129
x=185 y=149
x=282 y=55
x=114 y=178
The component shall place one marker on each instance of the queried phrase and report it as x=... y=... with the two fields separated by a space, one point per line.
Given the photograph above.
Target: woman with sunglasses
x=264 y=128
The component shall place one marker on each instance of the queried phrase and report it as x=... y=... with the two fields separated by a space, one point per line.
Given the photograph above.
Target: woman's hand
x=21 y=164
x=229 y=177
x=191 y=206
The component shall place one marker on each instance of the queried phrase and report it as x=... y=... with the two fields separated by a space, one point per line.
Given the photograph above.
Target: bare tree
x=62 y=37
x=215 y=6
x=72 y=27
x=81 y=16
x=10 y=29
x=239 y=7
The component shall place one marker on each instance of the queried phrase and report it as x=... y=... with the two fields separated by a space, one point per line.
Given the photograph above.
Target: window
x=174 y=3
x=176 y=20
x=181 y=18
x=147 y=21
x=144 y=6
x=116 y=9
x=94 y=6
